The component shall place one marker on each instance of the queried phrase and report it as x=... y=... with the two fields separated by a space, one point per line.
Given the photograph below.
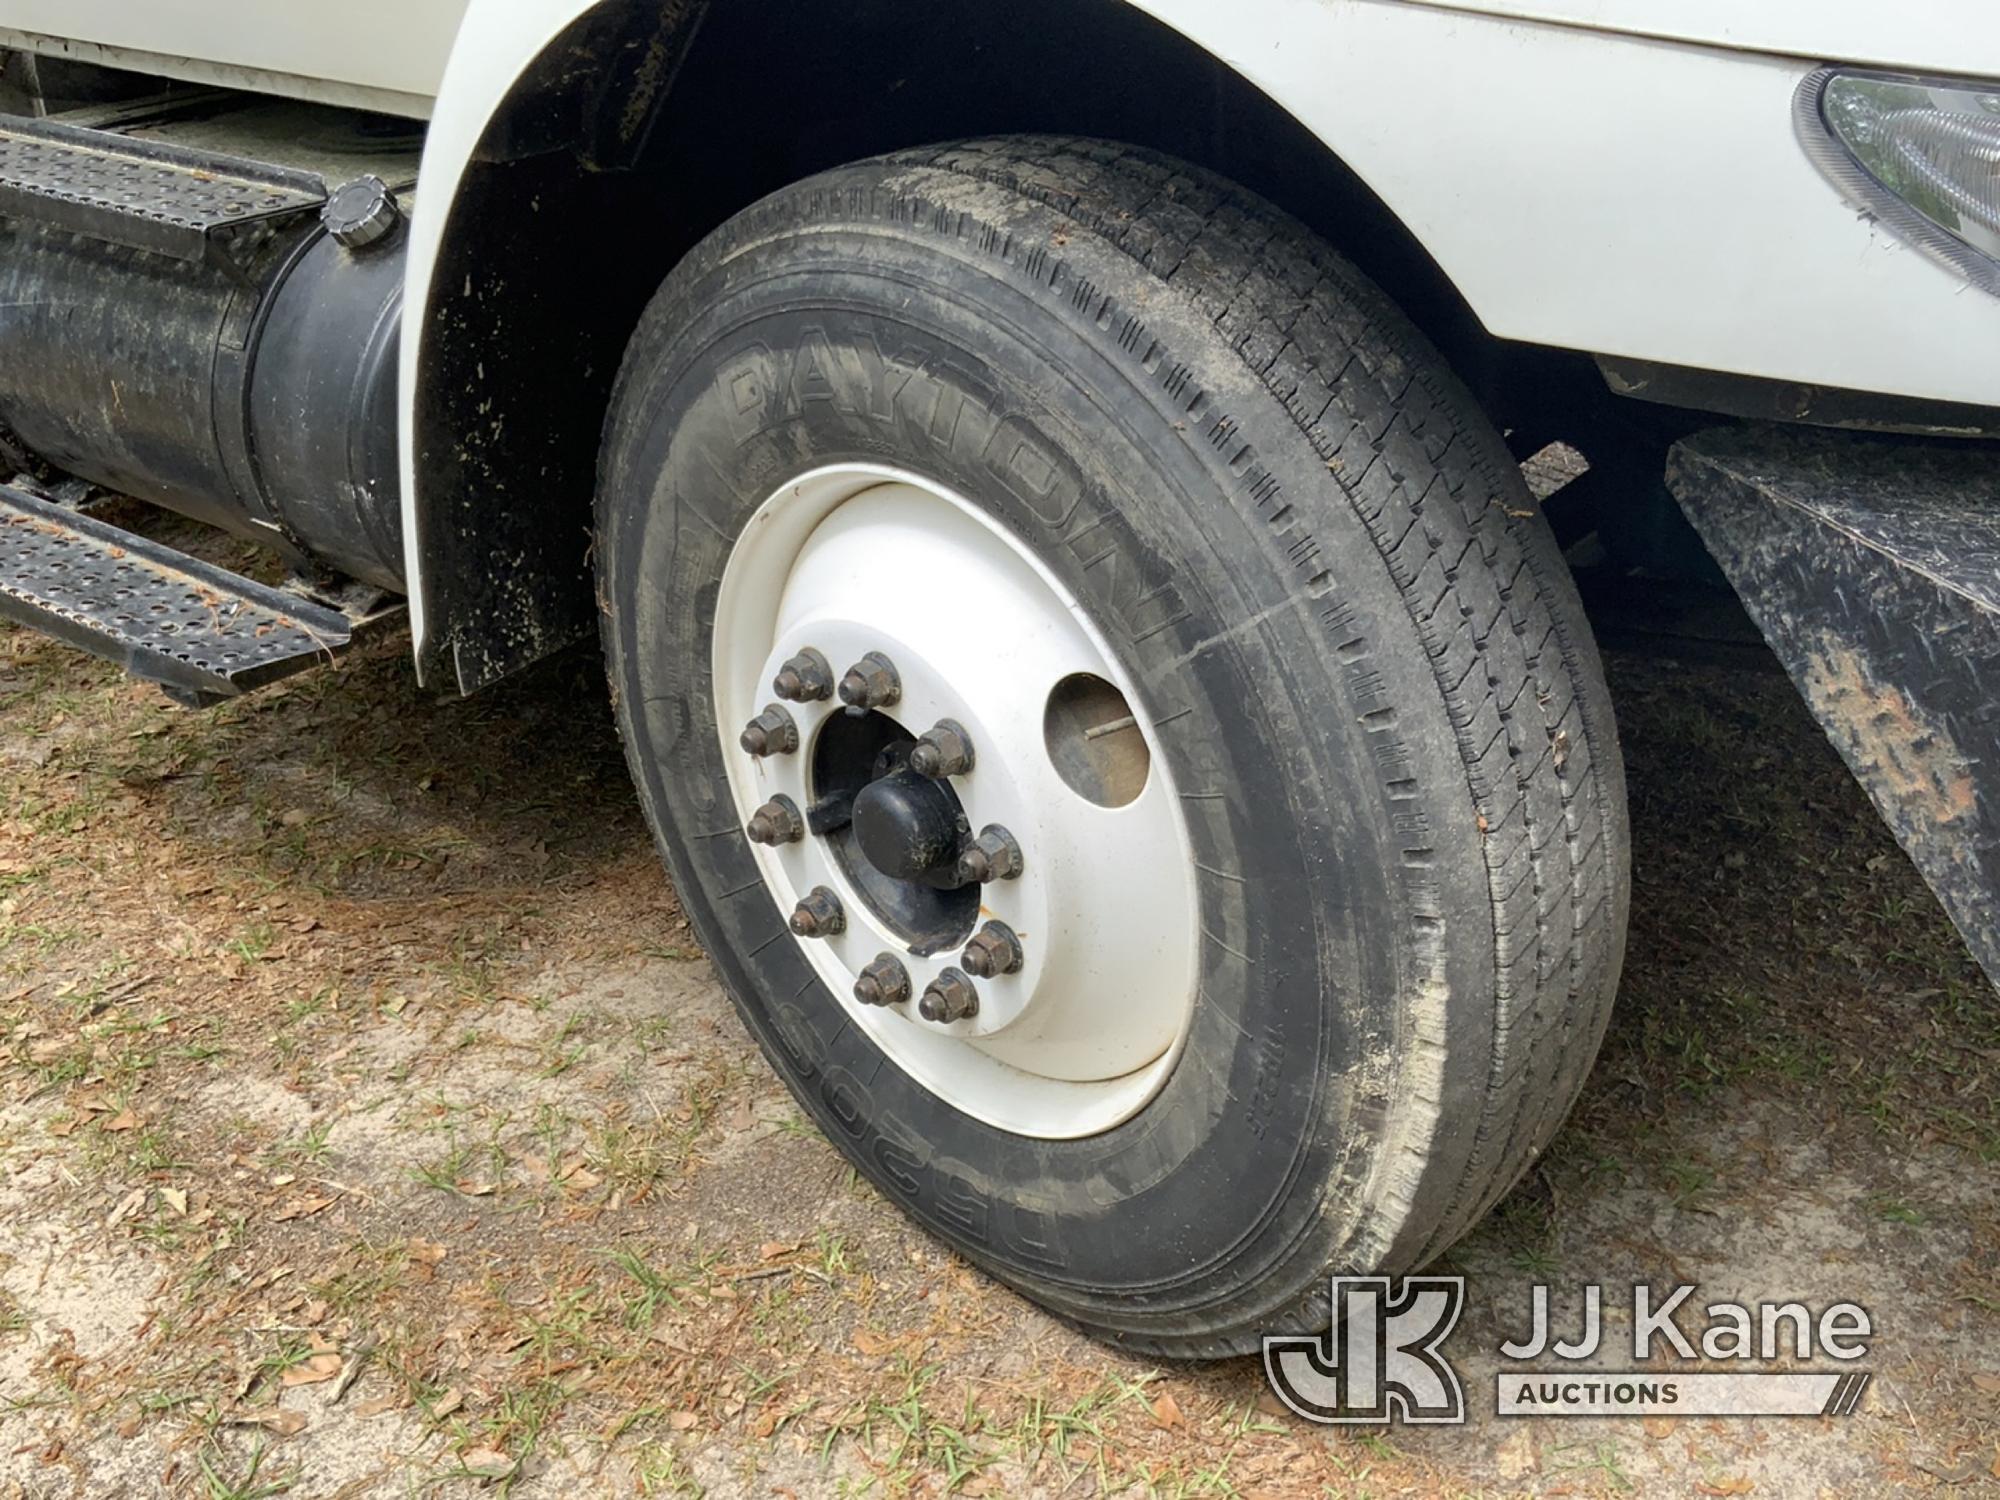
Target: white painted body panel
x=1618 y=194
x=1590 y=189
x=1584 y=181
x=392 y=53
x=1944 y=36
x=378 y=54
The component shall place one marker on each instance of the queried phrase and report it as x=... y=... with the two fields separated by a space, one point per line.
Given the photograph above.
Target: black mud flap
x=1872 y=565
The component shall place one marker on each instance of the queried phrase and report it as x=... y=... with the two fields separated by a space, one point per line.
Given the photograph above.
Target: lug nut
x=777 y=822
x=884 y=982
x=945 y=749
x=950 y=997
x=871 y=683
x=992 y=856
x=992 y=951
x=806 y=678
x=819 y=915
x=771 y=733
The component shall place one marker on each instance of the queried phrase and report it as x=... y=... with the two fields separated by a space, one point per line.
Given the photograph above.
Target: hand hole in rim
x=1094 y=741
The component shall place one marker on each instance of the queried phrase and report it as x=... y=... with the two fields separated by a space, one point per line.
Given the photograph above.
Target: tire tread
x=1486 y=588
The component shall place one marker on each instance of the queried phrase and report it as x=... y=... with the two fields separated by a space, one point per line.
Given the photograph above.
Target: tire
x=1358 y=650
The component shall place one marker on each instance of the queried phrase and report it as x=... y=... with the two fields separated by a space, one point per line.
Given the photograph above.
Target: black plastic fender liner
x=1872 y=566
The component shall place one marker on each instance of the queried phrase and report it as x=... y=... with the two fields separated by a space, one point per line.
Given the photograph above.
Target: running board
x=173 y=200
x=202 y=633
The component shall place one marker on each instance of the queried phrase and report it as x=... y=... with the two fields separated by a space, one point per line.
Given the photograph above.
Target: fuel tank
x=208 y=330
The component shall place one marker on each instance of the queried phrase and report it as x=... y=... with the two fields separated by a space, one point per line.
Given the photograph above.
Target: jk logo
x=1379 y=1360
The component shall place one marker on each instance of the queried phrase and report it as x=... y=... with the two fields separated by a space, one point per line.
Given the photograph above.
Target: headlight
x=1923 y=154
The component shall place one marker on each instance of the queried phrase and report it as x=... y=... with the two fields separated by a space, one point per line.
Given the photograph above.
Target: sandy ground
x=370 y=1123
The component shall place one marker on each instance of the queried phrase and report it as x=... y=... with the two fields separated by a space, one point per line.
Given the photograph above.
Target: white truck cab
x=1046 y=480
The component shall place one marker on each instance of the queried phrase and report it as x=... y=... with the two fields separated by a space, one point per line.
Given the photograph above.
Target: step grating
x=174 y=200
x=197 y=630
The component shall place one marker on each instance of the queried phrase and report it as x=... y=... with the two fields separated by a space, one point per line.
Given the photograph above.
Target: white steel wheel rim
x=857 y=558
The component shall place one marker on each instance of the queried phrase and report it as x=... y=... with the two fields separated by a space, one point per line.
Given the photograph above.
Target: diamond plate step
x=1872 y=565
x=199 y=631
x=173 y=200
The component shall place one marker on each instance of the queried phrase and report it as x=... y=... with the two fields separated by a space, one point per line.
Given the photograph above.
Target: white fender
x=1584 y=182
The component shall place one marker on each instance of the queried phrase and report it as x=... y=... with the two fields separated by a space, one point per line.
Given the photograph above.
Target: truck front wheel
x=1117 y=723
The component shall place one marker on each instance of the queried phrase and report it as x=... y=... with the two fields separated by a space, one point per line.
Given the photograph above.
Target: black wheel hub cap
x=896 y=834
x=907 y=825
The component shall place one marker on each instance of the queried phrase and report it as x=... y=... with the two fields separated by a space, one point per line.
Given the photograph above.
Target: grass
x=660 y=1470
x=657 y=1291
x=223 y=1481
x=308 y=1148
x=449 y=1173
x=731 y=1306
x=253 y=942
x=906 y=1439
x=1894 y=1210
x=368 y=1275
x=1524 y=1227
x=1586 y=1459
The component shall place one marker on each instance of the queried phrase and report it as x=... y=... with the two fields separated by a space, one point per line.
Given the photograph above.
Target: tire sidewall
x=809 y=337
